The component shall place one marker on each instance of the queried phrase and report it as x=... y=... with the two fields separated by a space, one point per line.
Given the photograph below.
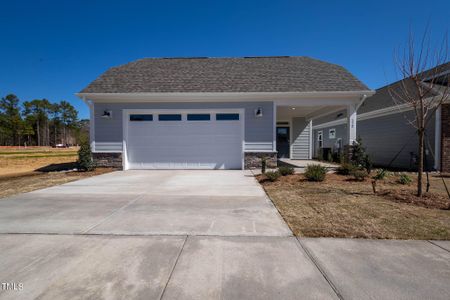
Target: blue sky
x=52 y=49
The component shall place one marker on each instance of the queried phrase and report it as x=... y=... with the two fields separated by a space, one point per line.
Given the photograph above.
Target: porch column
x=351 y=123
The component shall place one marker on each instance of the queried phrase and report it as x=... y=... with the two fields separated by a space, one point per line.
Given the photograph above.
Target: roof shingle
x=216 y=75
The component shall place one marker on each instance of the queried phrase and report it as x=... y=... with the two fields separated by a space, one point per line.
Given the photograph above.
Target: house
x=214 y=113
x=386 y=131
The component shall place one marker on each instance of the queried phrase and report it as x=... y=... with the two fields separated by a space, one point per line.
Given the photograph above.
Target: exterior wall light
x=258 y=112
x=107 y=114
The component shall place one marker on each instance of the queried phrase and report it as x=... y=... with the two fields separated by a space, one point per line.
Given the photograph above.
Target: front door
x=283 y=142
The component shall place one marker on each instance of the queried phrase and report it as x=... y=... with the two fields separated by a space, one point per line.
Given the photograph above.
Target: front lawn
x=341 y=207
x=27 y=182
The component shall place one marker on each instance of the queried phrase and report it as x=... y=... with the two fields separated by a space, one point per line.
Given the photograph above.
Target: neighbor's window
x=332 y=133
x=135 y=118
x=320 y=138
x=169 y=117
x=198 y=117
x=227 y=117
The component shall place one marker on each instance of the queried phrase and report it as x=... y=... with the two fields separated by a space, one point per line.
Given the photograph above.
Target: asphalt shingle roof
x=248 y=74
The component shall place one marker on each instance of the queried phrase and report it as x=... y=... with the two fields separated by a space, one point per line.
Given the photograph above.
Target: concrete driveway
x=193 y=235
x=225 y=203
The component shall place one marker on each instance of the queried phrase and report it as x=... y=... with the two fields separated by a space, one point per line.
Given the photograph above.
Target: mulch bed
x=388 y=189
x=428 y=200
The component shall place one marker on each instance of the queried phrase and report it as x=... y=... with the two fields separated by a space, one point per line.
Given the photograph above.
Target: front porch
x=294 y=136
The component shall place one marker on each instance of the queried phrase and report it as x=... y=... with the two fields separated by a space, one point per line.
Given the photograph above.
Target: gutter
x=361 y=102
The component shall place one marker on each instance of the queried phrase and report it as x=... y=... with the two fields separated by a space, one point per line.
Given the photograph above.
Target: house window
x=332 y=133
x=136 y=118
x=227 y=117
x=198 y=117
x=169 y=117
x=320 y=138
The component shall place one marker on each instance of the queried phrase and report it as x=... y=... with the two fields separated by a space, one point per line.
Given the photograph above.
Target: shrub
x=315 y=172
x=85 y=161
x=359 y=158
x=359 y=174
x=345 y=169
x=272 y=175
x=381 y=174
x=404 y=179
x=284 y=170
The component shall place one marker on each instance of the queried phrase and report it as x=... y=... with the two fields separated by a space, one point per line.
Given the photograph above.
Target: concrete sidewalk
x=211 y=267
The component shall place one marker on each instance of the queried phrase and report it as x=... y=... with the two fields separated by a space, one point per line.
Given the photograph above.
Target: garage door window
x=171 y=117
x=198 y=117
x=137 y=118
x=227 y=117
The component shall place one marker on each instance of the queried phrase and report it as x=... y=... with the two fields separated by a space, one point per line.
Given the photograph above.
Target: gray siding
x=384 y=137
x=258 y=130
x=341 y=133
x=301 y=138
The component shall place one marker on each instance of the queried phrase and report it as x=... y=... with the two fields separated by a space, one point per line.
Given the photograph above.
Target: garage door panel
x=184 y=144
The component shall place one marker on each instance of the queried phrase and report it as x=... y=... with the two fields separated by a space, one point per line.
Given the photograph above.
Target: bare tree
x=424 y=88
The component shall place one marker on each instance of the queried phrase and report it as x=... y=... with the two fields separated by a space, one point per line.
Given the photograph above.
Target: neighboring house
x=386 y=131
x=214 y=113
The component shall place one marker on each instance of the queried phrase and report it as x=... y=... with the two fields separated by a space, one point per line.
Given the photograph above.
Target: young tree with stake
x=424 y=89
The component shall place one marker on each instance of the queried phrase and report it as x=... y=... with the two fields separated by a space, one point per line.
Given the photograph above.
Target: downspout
x=361 y=102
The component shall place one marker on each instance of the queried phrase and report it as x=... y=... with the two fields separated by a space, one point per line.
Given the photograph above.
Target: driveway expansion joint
x=173 y=268
x=316 y=263
x=113 y=213
x=431 y=242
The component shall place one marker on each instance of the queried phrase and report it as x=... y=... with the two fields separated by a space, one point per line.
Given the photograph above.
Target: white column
x=91 y=125
x=310 y=139
x=274 y=137
x=351 y=123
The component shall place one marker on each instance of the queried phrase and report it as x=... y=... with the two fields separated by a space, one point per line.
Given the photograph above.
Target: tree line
x=39 y=123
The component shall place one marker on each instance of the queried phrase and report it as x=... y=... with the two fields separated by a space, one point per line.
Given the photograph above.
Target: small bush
x=359 y=157
x=359 y=174
x=404 y=179
x=315 y=172
x=272 y=175
x=284 y=171
x=381 y=174
x=85 y=161
x=345 y=169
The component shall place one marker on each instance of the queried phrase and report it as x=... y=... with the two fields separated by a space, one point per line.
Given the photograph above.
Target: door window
x=169 y=117
x=227 y=117
x=282 y=135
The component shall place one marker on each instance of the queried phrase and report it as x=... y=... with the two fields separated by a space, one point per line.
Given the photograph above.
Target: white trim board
x=226 y=96
x=368 y=115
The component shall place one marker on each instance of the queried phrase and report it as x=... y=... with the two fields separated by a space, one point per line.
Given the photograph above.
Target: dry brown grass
x=25 y=170
x=16 y=184
x=15 y=161
x=339 y=207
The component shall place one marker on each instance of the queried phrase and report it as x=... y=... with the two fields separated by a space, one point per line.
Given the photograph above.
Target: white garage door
x=184 y=140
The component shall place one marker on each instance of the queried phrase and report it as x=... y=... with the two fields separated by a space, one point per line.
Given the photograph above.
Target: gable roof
x=219 y=75
x=383 y=96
